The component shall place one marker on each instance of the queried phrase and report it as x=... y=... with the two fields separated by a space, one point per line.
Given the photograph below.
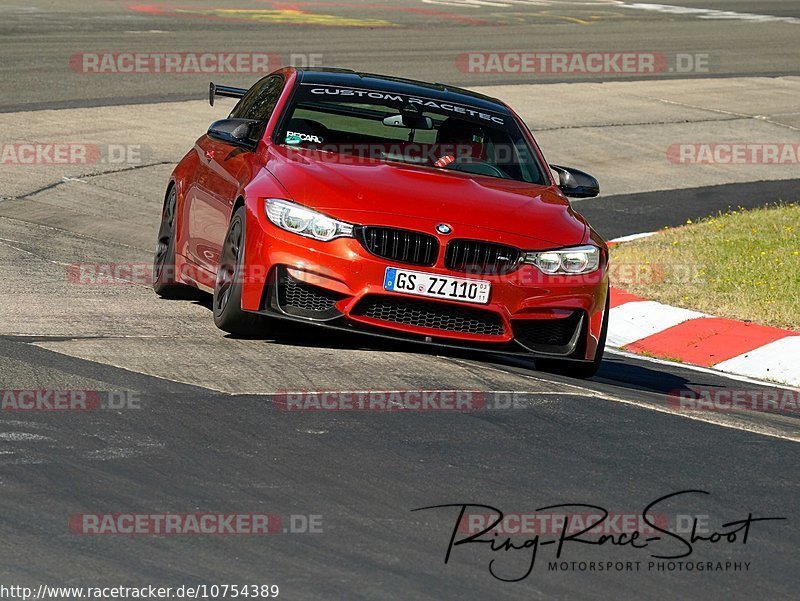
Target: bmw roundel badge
x=443 y=228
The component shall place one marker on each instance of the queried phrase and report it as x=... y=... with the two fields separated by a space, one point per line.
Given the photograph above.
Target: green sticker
x=293 y=138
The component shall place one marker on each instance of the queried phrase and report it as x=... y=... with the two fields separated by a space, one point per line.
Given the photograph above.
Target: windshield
x=359 y=124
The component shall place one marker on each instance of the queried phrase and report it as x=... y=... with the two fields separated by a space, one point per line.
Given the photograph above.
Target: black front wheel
x=228 y=313
x=165 y=282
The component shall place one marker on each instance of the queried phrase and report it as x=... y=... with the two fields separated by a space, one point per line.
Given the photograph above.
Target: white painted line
x=716 y=420
x=709 y=417
x=707 y=13
x=20 y=436
x=633 y=237
x=489 y=3
x=779 y=361
x=639 y=319
x=698 y=368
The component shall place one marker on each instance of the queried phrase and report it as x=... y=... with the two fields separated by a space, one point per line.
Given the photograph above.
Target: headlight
x=300 y=220
x=575 y=260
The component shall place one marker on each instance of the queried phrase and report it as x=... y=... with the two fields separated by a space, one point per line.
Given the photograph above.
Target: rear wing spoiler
x=215 y=90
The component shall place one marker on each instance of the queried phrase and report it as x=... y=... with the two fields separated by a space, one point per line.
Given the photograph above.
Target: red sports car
x=391 y=207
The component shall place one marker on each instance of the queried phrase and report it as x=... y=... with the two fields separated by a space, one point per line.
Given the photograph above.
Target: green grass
x=741 y=264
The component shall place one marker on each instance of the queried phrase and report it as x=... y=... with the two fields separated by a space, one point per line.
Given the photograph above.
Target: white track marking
x=18 y=9
x=706 y=13
x=699 y=368
x=20 y=436
x=709 y=418
x=515 y=3
x=779 y=360
x=398 y=391
x=631 y=237
x=73 y=234
x=6 y=242
x=670 y=9
x=489 y=3
x=639 y=319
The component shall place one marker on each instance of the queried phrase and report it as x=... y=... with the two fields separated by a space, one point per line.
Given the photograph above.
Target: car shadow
x=615 y=370
x=621 y=372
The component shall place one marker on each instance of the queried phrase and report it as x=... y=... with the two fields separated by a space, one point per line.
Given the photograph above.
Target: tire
x=165 y=283
x=227 y=305
x=579 y=369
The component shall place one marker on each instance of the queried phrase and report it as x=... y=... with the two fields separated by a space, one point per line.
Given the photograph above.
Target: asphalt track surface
x=627 y=214
x=408 y=38
x=208 y=435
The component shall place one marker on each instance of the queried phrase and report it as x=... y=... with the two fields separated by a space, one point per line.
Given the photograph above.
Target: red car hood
x=361 y=192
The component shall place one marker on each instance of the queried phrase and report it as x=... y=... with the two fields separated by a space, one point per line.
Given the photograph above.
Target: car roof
x=399 y=85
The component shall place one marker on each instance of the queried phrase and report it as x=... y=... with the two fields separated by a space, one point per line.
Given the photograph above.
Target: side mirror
x=576 y=184
x=234 y=131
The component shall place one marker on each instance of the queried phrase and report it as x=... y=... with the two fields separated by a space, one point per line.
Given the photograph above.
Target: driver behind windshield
x=458 y=139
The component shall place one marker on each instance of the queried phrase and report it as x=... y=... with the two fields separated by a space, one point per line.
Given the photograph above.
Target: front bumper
x=339 y=284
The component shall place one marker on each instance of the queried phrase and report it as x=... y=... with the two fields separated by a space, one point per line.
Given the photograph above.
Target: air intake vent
x=428 y=314
x=485 y=258
x=556 y=336
x=403 y=246
x=300 y=299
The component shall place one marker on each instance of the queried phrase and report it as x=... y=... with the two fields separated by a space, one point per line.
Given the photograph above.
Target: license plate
x=436 y=286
